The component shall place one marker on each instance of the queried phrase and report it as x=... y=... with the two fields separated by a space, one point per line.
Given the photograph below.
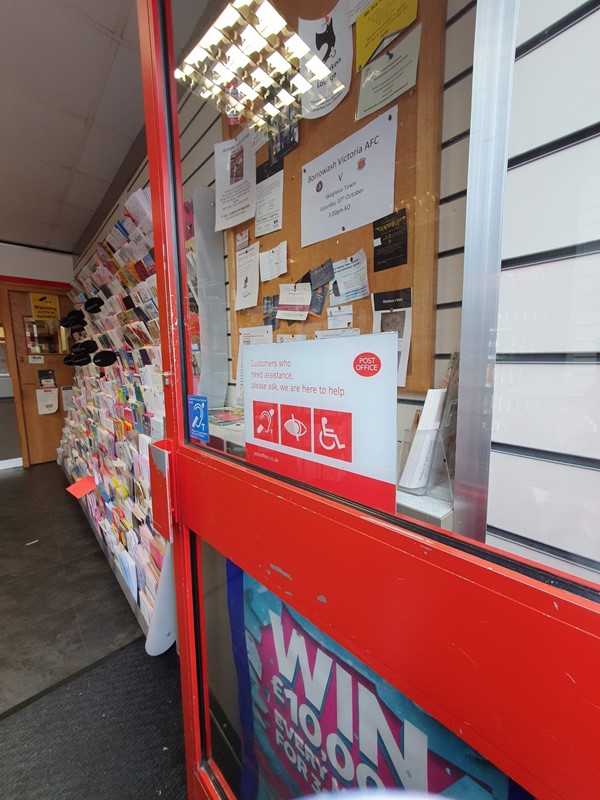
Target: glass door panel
x=309 y=352
x=293 y=713
x=309 y=340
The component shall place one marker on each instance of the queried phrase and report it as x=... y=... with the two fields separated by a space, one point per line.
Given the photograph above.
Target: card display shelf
x=115 y=413
x=162 y=630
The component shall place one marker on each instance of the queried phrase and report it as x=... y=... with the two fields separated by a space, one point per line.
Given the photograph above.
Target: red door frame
x=504 y=660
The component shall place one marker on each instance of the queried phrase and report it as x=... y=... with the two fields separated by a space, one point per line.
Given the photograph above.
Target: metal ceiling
x=71 y=99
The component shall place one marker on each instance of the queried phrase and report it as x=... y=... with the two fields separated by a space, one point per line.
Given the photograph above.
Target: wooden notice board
x=417 y=164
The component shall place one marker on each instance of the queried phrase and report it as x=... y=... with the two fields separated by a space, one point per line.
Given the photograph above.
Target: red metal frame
x=505 y=661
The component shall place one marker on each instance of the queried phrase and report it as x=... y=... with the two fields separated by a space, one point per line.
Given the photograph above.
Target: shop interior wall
x=31 y=263
x=200 y=130
x=22 y=265
x=544 y=483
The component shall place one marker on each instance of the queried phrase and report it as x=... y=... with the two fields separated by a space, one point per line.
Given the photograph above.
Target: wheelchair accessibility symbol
x=330 y=436
x=333 y=434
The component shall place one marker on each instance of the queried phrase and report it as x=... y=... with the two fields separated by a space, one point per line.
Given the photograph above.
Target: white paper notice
x=336 y=333
x=351 y=281
x=246 y=266
x=67 y=393
x=273 y=263
x=357 y=7
x=235 y=181
x=352 y=183
x=339 y=317
x=259 y=138
x=47 y=401
x=242 y=239
x=390 y=75
x=269 y=198
x=330 y=38
x=392 y=313
x=260 y=334
x=290 y=337
x=294 y=301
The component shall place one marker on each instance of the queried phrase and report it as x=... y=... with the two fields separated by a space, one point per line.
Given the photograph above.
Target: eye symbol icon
x=295 y=427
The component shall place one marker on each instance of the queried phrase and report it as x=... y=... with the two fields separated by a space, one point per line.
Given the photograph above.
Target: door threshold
x=11 y=463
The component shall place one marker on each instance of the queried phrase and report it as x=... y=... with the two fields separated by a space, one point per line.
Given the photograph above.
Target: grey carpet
x=113 y=732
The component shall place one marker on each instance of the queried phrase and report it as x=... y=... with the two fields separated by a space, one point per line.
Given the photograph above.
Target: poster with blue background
x=315 y=719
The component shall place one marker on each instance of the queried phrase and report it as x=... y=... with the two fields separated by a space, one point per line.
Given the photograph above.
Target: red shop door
x=324 y=643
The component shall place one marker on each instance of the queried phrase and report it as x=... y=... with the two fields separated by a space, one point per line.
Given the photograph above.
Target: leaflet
x=390 y=75
x=235 y=181
x=246 y=265
x=273 y=263
x=351 y=281
x=294 y=301
x=392 y=311
x=269 y=198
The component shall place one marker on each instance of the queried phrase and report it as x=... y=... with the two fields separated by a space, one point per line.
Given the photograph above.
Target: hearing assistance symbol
x=198 y=417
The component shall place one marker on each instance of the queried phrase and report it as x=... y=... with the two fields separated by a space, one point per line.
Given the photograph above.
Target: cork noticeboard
x=416 y=188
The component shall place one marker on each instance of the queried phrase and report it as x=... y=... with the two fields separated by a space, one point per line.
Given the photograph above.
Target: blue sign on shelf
x=198 y=417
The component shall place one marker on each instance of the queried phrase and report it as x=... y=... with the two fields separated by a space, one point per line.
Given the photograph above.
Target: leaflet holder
x=432 y=474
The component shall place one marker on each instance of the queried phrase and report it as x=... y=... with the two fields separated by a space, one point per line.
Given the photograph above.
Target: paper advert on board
x=259 y=334
x=290 y=337
x=339 y=317
x=260 y=137
x=378 y=21
x=352 y=183
x=356 y=7
x=335 y=333
x=294 y=301
x=235 y=181
x=351 y=281
x=390 y=75
x=392 y=312
x=273 y=263
x=47 y=401
x=322 y=274
x=246 y=266
x=390 y=241
x=242 y=239
x=329 y=38
x=269 y=198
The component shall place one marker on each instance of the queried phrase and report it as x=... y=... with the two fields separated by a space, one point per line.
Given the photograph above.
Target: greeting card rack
x=117 y=411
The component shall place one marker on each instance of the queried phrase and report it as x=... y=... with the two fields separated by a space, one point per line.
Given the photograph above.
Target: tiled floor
x=61 y=607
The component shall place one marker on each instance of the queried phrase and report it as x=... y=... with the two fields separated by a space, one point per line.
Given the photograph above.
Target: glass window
x=292 y=713
x=45 y=336
x=324 y=207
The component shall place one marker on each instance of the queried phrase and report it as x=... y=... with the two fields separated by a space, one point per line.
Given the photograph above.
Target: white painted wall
x=28 y=262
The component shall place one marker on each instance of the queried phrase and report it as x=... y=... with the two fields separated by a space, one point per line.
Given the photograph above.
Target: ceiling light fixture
x=253 y=67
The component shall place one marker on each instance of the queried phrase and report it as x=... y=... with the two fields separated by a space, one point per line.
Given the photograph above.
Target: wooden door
x=43 y=431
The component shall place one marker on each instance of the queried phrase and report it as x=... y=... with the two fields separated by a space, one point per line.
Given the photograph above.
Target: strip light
x=253 y=67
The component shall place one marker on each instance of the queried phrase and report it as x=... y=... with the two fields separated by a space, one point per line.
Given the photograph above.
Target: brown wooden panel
x=43 y=432
x=417 y=165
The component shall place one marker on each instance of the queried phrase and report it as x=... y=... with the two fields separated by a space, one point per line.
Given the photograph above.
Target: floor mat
x=113 y=731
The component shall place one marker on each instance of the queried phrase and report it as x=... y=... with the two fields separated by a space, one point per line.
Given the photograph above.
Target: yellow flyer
x=381 y=19
x=44 y=306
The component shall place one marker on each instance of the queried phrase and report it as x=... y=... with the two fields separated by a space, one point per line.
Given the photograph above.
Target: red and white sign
x=324 y=412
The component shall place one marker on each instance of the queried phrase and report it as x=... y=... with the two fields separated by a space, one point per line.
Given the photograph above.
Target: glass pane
x=310 y=338
x=293 y=713
x=45 y=336
x=544 y=480
x=324 y=226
